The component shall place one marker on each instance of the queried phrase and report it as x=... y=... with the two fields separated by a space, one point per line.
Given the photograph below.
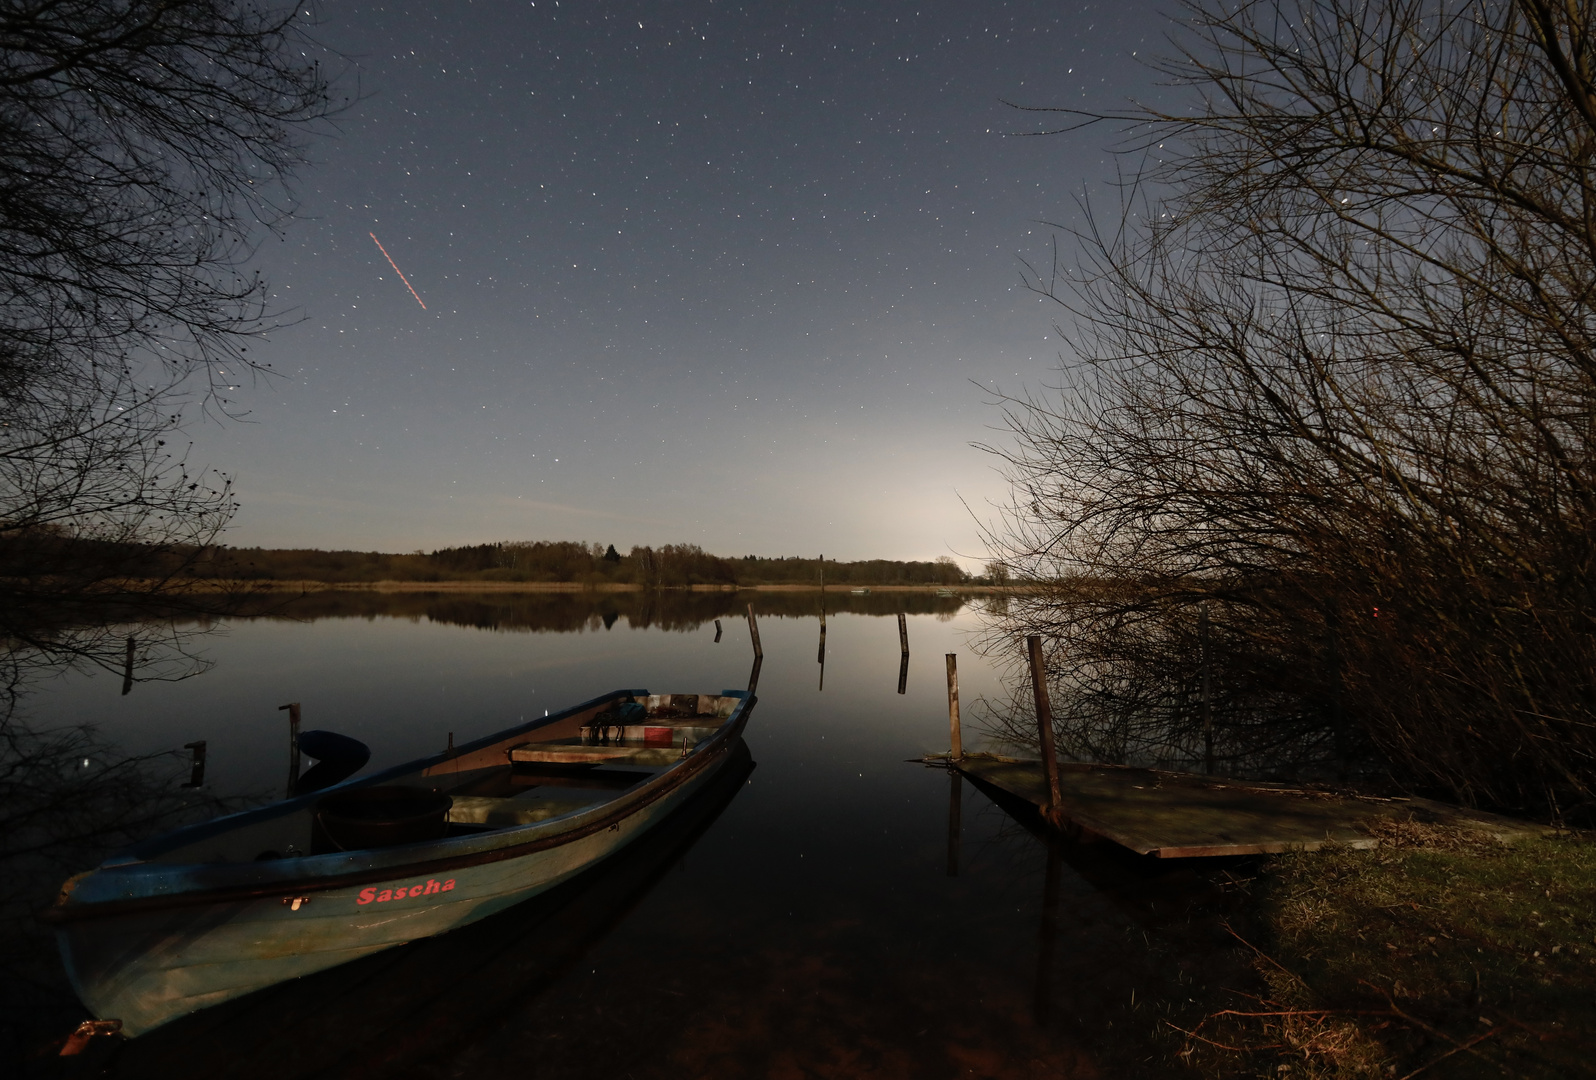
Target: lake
x=835 y=908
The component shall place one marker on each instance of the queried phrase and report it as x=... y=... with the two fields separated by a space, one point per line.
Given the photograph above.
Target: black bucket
x=376 y=817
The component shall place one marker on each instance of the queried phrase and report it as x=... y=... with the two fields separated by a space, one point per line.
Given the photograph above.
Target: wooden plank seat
x=572 y=753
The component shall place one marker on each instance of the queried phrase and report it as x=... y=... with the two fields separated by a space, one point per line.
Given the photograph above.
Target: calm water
x=803 y=920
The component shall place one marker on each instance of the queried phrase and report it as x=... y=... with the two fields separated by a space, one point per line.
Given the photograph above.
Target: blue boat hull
x=145 y=963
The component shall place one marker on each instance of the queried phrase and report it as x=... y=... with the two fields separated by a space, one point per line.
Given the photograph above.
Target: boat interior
x=529 y=774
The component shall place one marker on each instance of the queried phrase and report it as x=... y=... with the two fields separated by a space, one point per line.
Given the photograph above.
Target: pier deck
x=1181 y=815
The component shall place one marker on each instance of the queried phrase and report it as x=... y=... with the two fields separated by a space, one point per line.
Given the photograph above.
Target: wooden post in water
x=753 y=632
x=717 y=631
x=903 y=675
x=903 y=634
x=955 y=811
x=820 y=657
x=1208 y=709
x=955 y=743
x=1044 y=723
x=127 y=672
x=822 y=573
x=293 y=745
x=196 y=772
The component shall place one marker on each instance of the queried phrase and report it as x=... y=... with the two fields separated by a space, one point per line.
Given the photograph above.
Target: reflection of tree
x=67 y=798
x=581 y=612
x=1101 y=714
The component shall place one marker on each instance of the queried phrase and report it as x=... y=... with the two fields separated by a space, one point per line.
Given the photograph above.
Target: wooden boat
x=217 y=910
x=457 y=983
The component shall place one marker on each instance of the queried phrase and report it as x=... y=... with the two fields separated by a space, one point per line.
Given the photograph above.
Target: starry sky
x=713 y=272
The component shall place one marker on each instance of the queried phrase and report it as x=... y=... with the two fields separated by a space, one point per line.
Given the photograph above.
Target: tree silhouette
x=144 y=147
x=1337 y=378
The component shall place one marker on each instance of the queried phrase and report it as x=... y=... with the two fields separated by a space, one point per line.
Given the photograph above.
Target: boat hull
x=148 y=966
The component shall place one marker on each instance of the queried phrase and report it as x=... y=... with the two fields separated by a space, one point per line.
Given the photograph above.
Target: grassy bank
x=1436 y=954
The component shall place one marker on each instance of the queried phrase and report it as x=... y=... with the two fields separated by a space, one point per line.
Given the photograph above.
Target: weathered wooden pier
x=1172 y=815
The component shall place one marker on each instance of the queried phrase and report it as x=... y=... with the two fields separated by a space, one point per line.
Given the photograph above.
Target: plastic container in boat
x=377 y=817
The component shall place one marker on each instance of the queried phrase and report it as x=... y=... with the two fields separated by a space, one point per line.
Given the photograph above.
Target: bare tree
x=1338 y=383
x=143 y=149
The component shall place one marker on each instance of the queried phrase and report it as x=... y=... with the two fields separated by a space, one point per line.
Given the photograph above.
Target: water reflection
x=578 y=612
x=68 y=797
x=845 y=915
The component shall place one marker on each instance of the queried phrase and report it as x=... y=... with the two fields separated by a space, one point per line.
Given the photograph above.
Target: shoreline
x=272 y=586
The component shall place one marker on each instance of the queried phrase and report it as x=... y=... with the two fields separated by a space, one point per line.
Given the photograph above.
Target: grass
x=1436 y=954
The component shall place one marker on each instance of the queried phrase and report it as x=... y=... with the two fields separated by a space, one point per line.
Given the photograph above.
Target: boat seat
x=577 y=753
x=502 y=813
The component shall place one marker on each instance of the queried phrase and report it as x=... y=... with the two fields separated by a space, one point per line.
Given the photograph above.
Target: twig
x=1232 y=932
x=1306 y=1012
x=1456 y=1049
x=1223 y=1046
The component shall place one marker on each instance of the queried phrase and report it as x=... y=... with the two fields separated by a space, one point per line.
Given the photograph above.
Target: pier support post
x=293 y=745
x=1047 y=933
x=753 y=633
x=955 y=825
x=955 y=743
x=196 y=772
x=1044 y=723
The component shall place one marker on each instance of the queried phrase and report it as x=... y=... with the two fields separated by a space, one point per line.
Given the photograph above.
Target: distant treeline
x=565 y=561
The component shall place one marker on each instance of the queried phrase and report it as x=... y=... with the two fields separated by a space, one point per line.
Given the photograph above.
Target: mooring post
x=903 y=634
x=1044 y=722
x=753 y=632
x=293 y=745
x=820 y=657
x=717 y=631
x=955 y=744
x=127 y=671
x=196 y=772
x=1208 y=709
x=955 y=810
x=903 y=674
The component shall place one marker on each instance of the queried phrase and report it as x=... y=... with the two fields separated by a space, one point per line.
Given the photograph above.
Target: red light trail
x=396 y=269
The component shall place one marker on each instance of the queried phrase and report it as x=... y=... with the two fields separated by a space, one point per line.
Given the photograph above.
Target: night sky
x=705 y=272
